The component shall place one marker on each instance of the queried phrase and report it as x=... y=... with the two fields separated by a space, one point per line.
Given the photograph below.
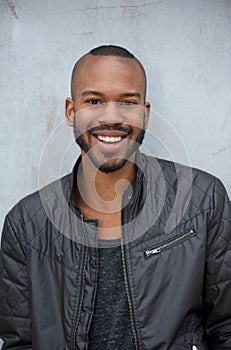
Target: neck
x=103 y=191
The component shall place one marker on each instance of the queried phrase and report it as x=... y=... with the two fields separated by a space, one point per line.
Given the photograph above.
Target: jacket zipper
x=129 y=296
x=129 y=299
x=83 y=286
x=168 y=244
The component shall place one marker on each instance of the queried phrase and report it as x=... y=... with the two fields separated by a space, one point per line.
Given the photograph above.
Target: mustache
x=114 y=127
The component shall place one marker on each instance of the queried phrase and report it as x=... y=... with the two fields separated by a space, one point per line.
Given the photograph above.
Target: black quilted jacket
x=176 y=252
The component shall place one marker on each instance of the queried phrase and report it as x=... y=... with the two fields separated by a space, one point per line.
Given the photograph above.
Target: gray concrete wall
x=185 y=46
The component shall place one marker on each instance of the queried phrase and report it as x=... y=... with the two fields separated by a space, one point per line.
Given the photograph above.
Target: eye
x=128 y=103
x=94 y=101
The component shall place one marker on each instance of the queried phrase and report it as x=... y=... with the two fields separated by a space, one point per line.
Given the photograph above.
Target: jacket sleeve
x=15 y=321
x=218 y=272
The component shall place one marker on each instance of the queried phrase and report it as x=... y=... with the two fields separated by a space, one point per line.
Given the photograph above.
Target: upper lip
x=110 y=133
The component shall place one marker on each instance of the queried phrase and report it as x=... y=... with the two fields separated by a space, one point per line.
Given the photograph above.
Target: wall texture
x=185 y=46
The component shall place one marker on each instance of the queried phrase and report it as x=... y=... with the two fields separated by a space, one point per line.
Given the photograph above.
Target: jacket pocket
x=169 y=243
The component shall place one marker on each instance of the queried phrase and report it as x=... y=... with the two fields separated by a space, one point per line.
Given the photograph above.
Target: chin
x=110 y=168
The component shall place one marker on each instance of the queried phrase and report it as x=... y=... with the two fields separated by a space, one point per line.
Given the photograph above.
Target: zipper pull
x=154 y=251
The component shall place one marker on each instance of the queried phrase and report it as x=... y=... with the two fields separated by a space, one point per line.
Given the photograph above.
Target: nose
x=110 y=113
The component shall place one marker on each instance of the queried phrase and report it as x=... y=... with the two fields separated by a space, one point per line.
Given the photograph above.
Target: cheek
x=138 y=125
x=85 y=119
x=136 y=118
x=81 y=124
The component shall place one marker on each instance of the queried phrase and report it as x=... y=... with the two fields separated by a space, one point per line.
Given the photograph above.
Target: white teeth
x=109 y=139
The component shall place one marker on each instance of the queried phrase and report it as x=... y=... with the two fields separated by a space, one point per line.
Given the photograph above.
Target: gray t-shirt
x=111 y=326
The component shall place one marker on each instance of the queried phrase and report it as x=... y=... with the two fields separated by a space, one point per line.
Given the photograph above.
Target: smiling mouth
x=110 y=136
x=109 y=139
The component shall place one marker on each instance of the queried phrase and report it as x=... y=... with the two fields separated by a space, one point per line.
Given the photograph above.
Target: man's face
x=110 y=115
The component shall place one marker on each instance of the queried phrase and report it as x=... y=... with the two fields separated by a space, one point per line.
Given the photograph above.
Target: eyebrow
x=91 y=92
x=97 y=93
x=131 y=94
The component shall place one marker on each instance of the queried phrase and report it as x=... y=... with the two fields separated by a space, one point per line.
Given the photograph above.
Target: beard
x=114 y=163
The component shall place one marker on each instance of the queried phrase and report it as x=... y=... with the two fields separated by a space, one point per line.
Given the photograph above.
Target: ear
x=70 y=111
x=147 y=106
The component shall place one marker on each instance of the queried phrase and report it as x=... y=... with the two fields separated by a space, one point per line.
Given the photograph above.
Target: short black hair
x=111 y=50
x=107 y=50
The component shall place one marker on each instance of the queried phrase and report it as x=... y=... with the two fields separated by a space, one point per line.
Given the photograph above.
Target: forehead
x=99 y=72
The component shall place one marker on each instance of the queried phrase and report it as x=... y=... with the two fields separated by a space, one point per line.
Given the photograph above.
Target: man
x=127 y=252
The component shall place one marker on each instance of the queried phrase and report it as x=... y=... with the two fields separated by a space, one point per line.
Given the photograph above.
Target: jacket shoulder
x=33 y=204
x=173 y=172
x=202 y=190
